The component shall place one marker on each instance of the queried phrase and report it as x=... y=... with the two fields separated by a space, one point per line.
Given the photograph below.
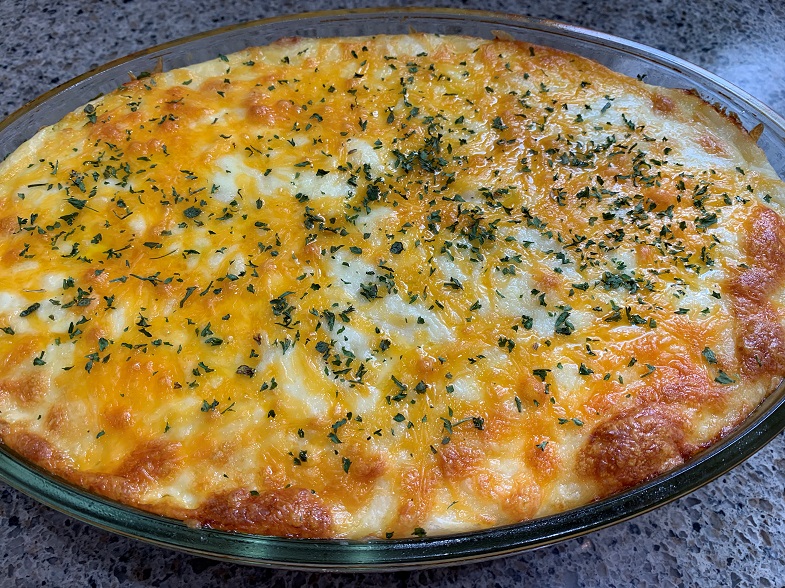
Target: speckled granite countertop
x=730 y=533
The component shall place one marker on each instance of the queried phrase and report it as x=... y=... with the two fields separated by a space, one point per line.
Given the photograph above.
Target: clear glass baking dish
x=624 y=56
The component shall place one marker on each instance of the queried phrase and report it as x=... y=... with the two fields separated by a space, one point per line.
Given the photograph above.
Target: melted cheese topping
x=384 y=286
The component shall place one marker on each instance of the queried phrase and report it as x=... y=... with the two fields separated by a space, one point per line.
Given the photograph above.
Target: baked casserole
x=384 y=287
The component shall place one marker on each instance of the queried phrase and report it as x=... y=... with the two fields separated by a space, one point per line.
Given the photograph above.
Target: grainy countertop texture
x=730 y=533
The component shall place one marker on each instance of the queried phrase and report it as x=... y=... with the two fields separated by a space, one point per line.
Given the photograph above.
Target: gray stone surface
x=730 y=533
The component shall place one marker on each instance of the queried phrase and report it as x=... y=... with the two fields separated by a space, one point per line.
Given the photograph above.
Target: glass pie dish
x=622 y=56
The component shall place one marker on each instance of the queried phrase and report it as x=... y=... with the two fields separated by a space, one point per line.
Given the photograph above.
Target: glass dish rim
x=342 y=555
